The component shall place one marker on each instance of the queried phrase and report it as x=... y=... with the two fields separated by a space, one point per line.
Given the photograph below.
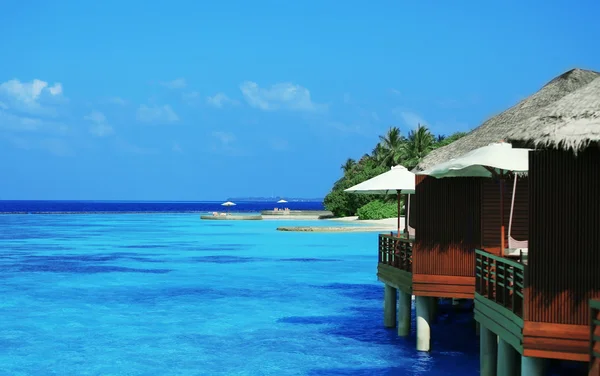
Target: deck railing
x=396 y=251
x=500 y=280
x=594 y=338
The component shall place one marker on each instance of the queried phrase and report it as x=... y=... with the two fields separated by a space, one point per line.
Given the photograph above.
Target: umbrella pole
x=398 y=198
x=406 y=209
x=502 y=245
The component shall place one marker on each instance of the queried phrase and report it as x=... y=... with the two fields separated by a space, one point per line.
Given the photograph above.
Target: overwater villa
x=453 y=217
x=539 y=309
x=531 y=304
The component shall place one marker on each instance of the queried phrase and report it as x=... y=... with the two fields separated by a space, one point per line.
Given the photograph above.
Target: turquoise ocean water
x=169 y=294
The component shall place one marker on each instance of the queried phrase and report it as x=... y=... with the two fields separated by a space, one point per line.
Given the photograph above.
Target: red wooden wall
x=563 y=270
x=447 y=223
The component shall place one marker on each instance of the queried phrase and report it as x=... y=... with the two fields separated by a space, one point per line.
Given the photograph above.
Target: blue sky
x=198 y=100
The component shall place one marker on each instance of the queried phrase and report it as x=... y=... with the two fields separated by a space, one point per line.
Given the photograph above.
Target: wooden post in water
x=423 y=323
x=532 y=366
x=508 y=359
x=404 y=313
x=488 y=352
x=389 y=307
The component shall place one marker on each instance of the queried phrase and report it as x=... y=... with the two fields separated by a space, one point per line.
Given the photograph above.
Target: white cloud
x=395 y=91
x=409 y=118
x=18 y=123
x=101 y=130
x=29 y=96
x=56 y=89
x=176 y=148
x=219 y=100
x=99 y=127
x=227 y=145
x=281 y=96
x=156 y=114
x=96 y=117
x=178 y=83
x=225 y=138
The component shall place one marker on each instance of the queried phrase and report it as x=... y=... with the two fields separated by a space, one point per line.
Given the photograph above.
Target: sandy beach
x=294 y=217
x=371 y=225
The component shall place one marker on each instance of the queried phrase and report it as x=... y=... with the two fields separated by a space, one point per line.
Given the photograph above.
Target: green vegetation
x=378 y=209
x=392 y=149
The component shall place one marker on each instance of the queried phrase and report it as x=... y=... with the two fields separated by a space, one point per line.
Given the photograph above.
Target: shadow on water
x=101 y=257
x=383 y=371
x=308 y=259
x=79 y=264
x=356 y=291
x=225 y=259
x=164 y=295
x=71 y=267
x=144 y=246
x=214 y=247
x=27 y=248
x=454 y=346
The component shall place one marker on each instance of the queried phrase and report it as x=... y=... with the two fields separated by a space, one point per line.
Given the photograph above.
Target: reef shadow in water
x=215 y=247
x=77 y=268
x=226 y=259
x=381 y=371
x=87 y=258
x=145 y=246
x=308 y=259
x=361 y=291
x=83 y=263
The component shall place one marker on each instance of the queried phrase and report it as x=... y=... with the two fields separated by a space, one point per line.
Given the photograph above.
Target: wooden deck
x=395 y=262
x=499 y=293
x=502 y=303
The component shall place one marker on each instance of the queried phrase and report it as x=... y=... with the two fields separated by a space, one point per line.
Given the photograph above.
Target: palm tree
x=440 y=138
x=420 y=143
x=377 y=152
x=392 y=147
x=349 y=165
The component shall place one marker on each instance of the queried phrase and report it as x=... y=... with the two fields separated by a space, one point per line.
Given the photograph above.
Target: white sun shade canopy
x=281 y=201
x=228 y=203
x=501 y=157
x=398 y=178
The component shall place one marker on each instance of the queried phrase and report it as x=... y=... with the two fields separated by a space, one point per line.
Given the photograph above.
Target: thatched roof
x=571 y=123
x=500 y=126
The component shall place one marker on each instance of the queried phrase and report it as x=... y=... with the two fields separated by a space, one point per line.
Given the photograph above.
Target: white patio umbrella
x=282 y=201
x=488 y=161
x=494 y=160
x=397 y=180
x=228 y=204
